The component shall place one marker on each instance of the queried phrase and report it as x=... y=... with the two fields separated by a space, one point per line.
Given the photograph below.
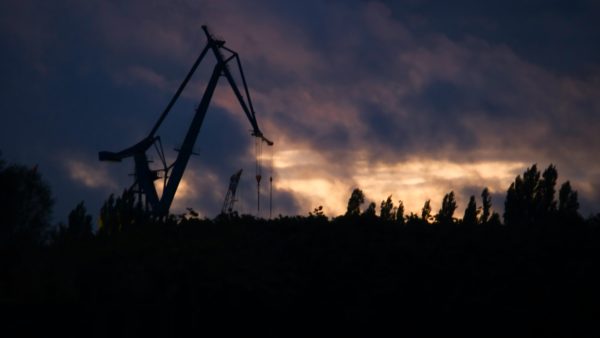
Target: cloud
x=141 y=75
x=90 y=175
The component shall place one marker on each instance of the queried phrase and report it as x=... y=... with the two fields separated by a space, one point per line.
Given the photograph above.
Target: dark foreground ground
x=310 y=277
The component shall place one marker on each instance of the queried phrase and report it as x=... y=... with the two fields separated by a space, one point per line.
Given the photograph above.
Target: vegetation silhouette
x=25 y=205
x=357 y=274
x=470 y=216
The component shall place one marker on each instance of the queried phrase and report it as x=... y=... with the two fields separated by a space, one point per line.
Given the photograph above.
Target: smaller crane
x=230 y=197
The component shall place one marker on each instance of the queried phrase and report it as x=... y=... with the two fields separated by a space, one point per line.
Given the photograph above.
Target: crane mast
x=173 y=173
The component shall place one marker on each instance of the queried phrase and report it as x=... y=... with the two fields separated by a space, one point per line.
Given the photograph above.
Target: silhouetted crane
x=173 y=173
x=230 y=196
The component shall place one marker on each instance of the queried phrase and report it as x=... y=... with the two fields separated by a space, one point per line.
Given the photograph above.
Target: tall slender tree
x=520 y=203
x=486 y=202
x=446 y=213
x=470 y=216
x=568 y=203
x=545 y=191
x=400 y=213
x=386 y=209
x=426 y=211
x=357 y=198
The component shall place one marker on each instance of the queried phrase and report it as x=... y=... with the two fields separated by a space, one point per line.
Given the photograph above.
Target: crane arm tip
x=269 y=142
x=262 y=137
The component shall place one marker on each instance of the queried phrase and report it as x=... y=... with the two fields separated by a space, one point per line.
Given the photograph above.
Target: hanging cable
x=258 y=150
x=271 y=182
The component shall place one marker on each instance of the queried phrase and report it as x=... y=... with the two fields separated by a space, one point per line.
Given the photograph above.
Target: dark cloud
x=554 y=34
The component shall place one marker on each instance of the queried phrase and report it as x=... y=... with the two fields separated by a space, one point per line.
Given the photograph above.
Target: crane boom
x=173 y=173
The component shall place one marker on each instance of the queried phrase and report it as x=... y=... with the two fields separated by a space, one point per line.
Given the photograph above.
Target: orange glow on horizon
x=413 y=181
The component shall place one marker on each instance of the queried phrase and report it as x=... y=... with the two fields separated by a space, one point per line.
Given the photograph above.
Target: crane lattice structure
x=230 y=196
x=173 y=173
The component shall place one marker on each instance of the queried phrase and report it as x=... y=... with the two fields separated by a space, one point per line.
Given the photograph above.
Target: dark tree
x=108 y=217
x=446 y=213
x=568 y=203
x=495 y=219
x=486 y=201
x=400 y=213
x=413 y=219
x=530 y=199
x=370 y=211
x=317 y=212
x=545 y=203
x=520 y=205
x=511 y=204
x=80 y=224
x=121 y=214
x=426 y=211
x=356 y=200
x=25 y=205
x=470 y=217
x=386 y=210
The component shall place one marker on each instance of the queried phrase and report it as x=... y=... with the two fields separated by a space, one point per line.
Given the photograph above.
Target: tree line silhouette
x=372 y=271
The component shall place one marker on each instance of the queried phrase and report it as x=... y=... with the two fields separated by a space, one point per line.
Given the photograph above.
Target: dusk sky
x=410 y=98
